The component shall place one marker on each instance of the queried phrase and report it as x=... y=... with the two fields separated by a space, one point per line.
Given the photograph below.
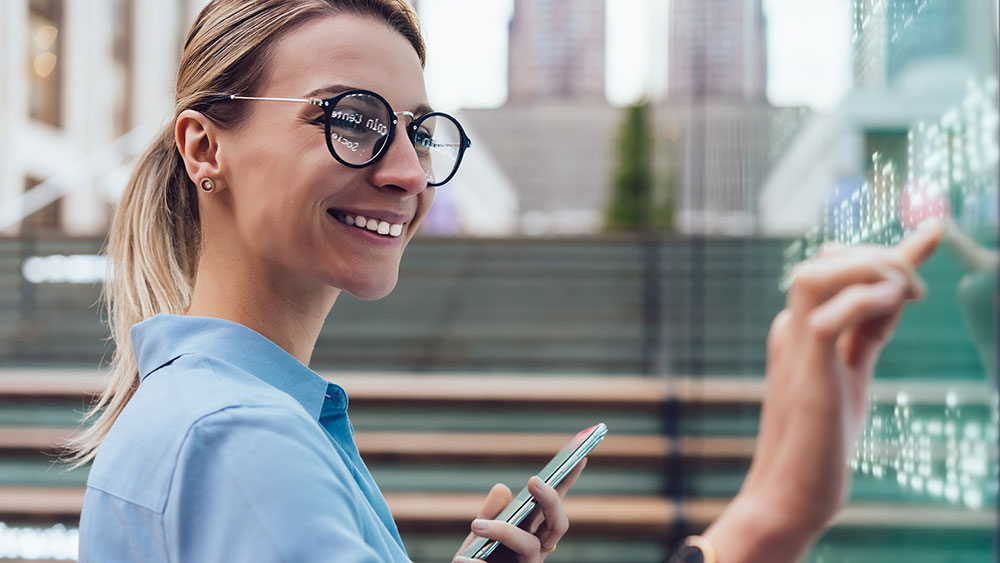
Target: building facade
x=717 y=137
x=717 y=50
x=556 y=50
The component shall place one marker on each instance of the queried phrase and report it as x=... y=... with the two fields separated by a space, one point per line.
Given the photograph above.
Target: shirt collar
x=161 y=339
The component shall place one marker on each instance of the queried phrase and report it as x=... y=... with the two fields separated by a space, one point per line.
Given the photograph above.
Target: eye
x=422 y=142
x=347 y=119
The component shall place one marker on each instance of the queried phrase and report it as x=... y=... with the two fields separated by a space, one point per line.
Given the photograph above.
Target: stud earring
x=207 y=185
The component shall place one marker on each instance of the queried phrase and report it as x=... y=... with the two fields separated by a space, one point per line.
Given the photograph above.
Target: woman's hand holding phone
x=537 y=535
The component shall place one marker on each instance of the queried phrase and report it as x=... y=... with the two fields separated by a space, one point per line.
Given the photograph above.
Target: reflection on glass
x=931 y=440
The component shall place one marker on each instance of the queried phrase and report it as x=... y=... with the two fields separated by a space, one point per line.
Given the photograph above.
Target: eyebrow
x=334 y=89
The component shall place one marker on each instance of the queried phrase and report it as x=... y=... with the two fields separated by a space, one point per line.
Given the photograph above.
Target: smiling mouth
x=384 y=228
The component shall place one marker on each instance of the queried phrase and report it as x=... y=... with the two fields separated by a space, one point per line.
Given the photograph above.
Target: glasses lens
x=358 y=128
x=438 y=142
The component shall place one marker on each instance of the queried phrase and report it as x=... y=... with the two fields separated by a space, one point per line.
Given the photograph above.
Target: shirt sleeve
x=255 y=483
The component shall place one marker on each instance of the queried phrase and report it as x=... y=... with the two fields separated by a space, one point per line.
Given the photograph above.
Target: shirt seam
x=123 y=499
x=157 y=513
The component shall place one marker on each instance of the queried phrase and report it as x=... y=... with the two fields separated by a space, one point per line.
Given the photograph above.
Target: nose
x=399 y=167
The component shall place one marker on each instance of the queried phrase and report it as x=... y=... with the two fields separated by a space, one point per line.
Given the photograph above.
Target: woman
x=236 y=234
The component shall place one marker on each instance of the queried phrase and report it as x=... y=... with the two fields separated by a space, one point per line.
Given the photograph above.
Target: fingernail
x=538 y=482
x=479 y=524
x=461 y=559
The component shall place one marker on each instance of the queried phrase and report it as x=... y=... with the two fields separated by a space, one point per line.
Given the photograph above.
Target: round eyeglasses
x=360 y=126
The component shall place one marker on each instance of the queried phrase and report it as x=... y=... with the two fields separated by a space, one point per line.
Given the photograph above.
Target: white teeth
x=374 y=225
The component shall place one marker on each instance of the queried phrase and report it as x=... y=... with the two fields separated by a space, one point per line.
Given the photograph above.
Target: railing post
x=652 y=305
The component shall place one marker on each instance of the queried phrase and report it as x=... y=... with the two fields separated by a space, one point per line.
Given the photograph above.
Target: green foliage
x=634 y=204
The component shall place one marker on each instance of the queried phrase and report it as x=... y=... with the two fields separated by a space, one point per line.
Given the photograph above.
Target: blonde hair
x=154 y=240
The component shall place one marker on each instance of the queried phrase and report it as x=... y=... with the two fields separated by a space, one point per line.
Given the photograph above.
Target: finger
x=830 y=248
x=777 y=335
x=517 y=540
x=498 y=498
x=570 y=479
x=919 y=245
x=863 y=345
x=855 y=305
x=556 y=523
x=460 y=559
x=819 y=280
x=562 y=488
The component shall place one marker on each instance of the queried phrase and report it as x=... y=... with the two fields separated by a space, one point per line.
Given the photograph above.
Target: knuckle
x=818 y=326
x=805 y=277
x=562 y=526
x=898 y=263
x=778 y=329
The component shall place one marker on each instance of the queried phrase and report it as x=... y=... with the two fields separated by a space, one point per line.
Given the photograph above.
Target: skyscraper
x=556 y=50
x=716 y=131
x=716 y=50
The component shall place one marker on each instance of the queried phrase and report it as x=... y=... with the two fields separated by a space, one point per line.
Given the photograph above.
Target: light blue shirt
x=231 y=450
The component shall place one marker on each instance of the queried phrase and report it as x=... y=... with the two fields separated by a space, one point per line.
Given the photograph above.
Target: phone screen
x=552 y=474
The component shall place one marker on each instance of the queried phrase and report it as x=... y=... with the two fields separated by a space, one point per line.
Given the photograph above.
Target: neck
x=288 y=311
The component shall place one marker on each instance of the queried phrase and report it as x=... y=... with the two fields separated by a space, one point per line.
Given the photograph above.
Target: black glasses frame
x=327 y=105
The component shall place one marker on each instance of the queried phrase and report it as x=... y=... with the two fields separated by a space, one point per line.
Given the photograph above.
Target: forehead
x=346 y=49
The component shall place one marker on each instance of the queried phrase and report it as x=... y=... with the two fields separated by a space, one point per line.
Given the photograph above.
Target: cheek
x=277 y=198
x=424 y=207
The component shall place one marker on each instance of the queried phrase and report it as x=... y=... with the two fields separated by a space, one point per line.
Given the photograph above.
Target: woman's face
x=287 y=193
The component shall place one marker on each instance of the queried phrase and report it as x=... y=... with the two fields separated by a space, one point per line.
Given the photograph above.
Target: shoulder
x=191 y=398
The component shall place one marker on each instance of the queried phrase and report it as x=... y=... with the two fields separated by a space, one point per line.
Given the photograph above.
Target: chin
x=369 y=289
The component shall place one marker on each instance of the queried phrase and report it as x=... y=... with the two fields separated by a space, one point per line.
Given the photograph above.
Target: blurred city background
x=643 y=175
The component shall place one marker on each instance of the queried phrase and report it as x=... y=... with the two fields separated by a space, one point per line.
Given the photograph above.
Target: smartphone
x=552 y=474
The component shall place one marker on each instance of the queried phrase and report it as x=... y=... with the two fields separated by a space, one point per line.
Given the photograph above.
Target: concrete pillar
x=13 y=97
x=156 y=53
x=87 y=110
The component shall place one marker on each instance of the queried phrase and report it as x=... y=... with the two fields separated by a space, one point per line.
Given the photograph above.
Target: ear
x=198 y=142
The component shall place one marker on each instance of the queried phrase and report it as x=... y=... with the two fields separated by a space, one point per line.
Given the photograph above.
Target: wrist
x=750 y=530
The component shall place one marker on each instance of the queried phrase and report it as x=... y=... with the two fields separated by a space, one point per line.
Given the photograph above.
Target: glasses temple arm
x=313 y=101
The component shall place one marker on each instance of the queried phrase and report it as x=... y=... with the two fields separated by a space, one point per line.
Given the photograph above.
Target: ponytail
x=152 y=256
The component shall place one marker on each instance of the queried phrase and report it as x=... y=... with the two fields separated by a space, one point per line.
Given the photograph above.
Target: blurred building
x=558 y=154
x=913 y=62
x=556 y=50
x=717 y=50
x=714 y=157
x=554 y=138
x=717 y=137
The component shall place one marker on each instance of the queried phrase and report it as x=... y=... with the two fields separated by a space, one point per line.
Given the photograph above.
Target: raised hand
x=841 y=311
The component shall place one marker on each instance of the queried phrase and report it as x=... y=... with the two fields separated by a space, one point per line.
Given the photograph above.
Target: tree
x=636 y=203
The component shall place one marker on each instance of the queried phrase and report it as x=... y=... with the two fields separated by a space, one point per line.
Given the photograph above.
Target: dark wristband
x=696 y=549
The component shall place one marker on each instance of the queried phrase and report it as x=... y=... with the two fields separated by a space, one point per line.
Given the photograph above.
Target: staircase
x=491 y=354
